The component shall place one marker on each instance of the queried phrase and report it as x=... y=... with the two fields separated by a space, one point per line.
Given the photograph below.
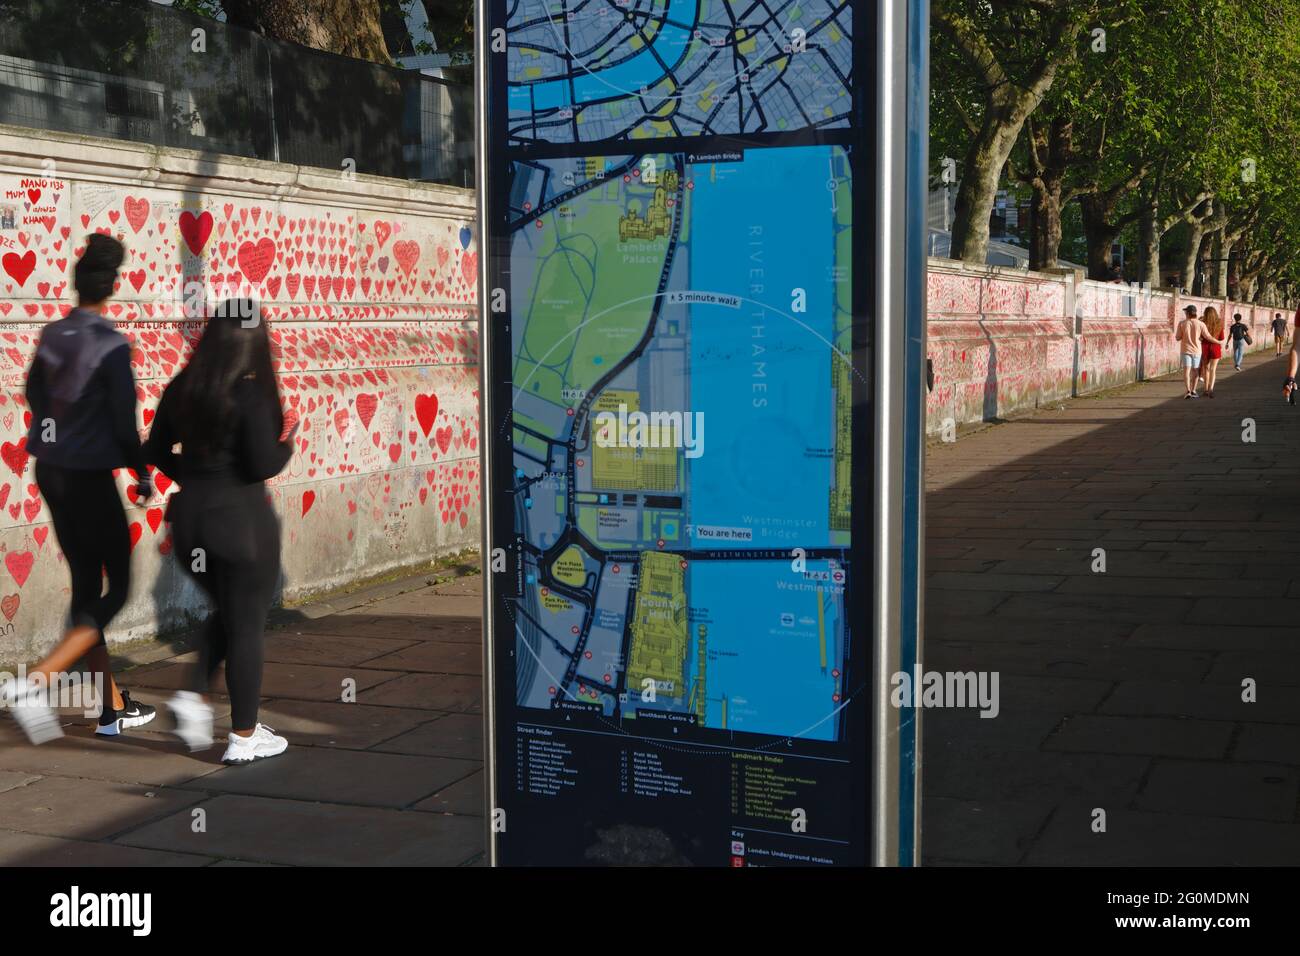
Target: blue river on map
x=622 y=79
x=767 y=468
x=764 y=650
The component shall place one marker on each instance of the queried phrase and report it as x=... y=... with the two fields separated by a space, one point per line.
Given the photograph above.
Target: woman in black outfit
x=82 y=398
x=223 y=410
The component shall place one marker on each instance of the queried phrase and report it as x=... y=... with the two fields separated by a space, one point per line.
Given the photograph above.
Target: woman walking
x=1212 y=350
x=223 y=410
x=82 y=398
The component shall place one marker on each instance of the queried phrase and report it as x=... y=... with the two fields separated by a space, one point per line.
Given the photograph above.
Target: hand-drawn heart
x=443 y=255
x=15 y=456
x=308 y=499
x=426 y=411
x=256 y=259
x=34 y=195
x=195 y=230
x=407 y=254
x=366 y=405
x=40 y=534
x=136 y=531
x=19 y=267
x=382 y=231
x=20 y=564
x=154 y=516
x=469 y=267
x=137 y=212
x=136 y=278
x=341 y=421
x=443 y=437
x=9 y=606
x=465 y=237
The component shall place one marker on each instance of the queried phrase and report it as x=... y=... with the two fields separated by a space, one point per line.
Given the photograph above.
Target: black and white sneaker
x=133 y=714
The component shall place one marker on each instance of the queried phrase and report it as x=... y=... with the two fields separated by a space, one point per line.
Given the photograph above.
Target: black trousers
x=228 y=540
x=92 y=532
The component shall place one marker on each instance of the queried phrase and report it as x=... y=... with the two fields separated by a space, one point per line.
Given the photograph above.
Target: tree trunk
x=1149 y=246
x=347 y=27
x=1100 y=233
x=1195 y=231
x=985 y=159
x=1045 y=224
x=1222 y=249
x=1201 y=270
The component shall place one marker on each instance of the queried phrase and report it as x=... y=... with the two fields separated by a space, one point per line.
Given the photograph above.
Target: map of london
x=695 y=576
x=583 y=71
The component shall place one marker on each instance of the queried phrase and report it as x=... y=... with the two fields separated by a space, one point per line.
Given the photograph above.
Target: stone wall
x=1006 y=341
x=369 y=286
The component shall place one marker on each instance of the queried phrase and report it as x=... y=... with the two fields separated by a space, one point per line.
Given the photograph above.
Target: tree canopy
x=1166 y=124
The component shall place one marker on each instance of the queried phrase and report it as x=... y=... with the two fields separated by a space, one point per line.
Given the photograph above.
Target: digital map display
x=677 y=674
x=661 y=569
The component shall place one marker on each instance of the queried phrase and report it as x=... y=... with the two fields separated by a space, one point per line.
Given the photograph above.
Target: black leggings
x=228 y=540
x=91 y=528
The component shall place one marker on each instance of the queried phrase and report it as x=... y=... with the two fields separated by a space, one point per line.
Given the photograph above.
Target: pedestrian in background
x=1212 y=349
x=82 y=397
x=223 y=410
x=1189 y=334
x=1240 y=335
x=1279 y=333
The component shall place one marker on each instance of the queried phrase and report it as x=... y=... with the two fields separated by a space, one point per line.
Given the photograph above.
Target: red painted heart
x=195 y=230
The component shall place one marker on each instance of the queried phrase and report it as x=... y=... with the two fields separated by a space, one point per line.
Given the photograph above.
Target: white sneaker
x=193 y=719
x=35 y=718
x=261 y=743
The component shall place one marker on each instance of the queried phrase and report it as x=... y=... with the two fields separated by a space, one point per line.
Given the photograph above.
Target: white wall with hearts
x=369 y=287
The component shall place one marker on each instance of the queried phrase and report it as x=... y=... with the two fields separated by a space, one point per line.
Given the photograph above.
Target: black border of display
x=861 y=139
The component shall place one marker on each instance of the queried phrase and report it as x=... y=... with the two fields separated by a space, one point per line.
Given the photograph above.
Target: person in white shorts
x=1191 y=332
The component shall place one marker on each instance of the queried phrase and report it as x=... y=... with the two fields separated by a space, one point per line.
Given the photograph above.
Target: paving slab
x=309 y=723
x=358 y=777
x=993 y=832
x=130 y=758
x=81 y=809
x=1276 y=743
x=31 y=849
x=1213 y=788
x=1143 y=838
x=452 y=735
x=432 y=691
x=264 y=830
x=1156 y=736
x=464 y=797
x=452 y=657
x=291 y=648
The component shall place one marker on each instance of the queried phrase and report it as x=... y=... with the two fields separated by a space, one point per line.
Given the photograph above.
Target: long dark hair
x=235 y=346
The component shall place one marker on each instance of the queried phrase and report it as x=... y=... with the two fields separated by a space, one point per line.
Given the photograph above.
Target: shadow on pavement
x=393 y=778
x=1121 y=690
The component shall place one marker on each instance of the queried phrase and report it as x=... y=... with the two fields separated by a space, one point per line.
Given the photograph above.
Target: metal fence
x=134 y=70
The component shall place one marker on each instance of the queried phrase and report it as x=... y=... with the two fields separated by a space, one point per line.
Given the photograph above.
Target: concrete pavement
x=392 y=779
x=1121 y=690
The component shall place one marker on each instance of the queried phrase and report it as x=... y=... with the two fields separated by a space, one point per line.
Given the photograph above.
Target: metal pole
x=901 y=188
